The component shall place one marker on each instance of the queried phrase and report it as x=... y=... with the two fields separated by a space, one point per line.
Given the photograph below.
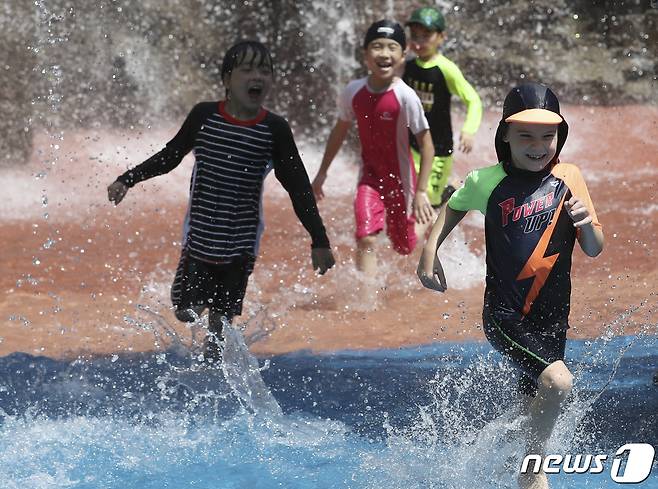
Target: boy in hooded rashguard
x=535 y=209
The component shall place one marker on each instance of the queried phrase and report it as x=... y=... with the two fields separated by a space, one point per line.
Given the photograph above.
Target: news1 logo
x=631 y=465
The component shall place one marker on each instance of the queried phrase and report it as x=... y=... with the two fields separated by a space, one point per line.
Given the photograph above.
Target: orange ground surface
x=79 y=292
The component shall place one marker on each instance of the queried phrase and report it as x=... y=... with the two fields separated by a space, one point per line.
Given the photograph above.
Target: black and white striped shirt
x=233 y=158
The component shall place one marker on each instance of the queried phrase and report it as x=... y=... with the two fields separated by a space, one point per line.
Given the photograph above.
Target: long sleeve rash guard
x=232 y=159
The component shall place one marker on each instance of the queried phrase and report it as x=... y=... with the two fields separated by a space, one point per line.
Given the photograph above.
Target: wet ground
x=77 y=280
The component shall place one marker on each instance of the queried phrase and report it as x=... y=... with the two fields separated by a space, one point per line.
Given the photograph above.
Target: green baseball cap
x=428 y=17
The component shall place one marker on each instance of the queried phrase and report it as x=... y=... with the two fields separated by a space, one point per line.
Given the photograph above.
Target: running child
x=535 y=209
x=435 y=79
x=389 y=193
x=236 y=142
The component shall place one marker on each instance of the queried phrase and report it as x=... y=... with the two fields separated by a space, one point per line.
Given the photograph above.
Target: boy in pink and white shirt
x=389 y=193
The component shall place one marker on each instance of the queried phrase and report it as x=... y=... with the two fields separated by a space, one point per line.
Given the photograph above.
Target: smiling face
x=248 y=84
x=383 y=57
x=425 y=42
x=532 y=146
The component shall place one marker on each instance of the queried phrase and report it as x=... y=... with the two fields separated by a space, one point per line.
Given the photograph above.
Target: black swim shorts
x=531 y=345
x=219 y=287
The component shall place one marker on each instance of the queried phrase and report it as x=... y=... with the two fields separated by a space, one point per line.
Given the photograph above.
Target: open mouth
x=536 y=157
x=255 y=91
x=384 y=64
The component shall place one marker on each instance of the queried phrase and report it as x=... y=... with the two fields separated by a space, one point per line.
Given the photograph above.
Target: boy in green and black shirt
x=435 y=79
x=535 y=209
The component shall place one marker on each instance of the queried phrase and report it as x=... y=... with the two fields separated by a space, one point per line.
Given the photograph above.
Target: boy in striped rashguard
x=535 y=209
x=236 y=142
x=436 y=79
x=389 y=193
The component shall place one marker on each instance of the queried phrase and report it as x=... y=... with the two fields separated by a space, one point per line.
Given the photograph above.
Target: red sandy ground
x=75 y=299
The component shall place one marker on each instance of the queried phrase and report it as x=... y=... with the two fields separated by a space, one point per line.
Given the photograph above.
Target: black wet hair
x=238 y=54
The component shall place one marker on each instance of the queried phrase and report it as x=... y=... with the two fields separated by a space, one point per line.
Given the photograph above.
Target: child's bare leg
x=553 y=387
x=366 y=258
x=366 y=263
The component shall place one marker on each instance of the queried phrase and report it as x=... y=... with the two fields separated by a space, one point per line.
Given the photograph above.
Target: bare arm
x=334 y=143
x=466 y=142
x=590 y=237
x=422 y=207
x=430 y=270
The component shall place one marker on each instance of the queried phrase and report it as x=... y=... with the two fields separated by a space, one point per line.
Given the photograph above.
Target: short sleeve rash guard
x=529 y=235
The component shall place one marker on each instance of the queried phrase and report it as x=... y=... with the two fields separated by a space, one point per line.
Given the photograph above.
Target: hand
x=578 y=212
x=465 y=142
x=430 y=271
x=422 y=207
x=322 y=259
x=116 y=192
x=317 y=184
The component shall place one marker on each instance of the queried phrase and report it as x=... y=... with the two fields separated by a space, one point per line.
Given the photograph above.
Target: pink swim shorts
x=374 y=206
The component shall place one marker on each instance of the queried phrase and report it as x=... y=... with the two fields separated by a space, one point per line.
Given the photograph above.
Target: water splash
x=430 y=417
x=243 y=374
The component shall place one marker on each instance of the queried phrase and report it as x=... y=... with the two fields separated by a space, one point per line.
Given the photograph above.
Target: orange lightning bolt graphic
x=538 y=265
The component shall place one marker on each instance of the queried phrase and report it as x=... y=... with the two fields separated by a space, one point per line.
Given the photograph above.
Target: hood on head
x=531 y=103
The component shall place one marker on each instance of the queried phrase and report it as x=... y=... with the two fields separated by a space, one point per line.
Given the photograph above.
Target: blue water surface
x=437 y=416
